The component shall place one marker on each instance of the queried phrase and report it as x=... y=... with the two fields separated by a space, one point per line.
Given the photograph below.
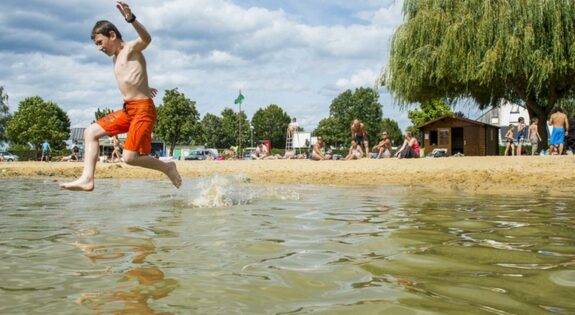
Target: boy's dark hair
x=105 y=27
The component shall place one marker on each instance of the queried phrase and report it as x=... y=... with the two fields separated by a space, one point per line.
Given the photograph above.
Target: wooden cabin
x=460 y=135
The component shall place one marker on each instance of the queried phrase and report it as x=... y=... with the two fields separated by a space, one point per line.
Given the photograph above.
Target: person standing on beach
x=46 y=151
x=534 y=136
x=509 y=140
x=521 y=135
x=560 y=125
x=359 y=133
x=138 y=116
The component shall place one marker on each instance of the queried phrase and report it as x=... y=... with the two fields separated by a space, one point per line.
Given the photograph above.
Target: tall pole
x=252 y=133
x=240 y=131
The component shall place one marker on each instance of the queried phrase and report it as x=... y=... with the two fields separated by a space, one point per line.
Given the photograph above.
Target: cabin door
x=457 y=142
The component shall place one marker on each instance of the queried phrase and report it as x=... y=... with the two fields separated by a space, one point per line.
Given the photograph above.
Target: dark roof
x=77 y=134
x=457 y=118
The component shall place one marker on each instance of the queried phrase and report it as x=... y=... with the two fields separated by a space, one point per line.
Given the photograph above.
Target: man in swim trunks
x=560 y=125
x=359 y=133
x=138 y=116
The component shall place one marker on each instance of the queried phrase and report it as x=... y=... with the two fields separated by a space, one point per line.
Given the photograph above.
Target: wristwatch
x=132 y=19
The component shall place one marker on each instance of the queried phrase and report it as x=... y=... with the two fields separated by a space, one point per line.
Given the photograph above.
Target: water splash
x=227 y=191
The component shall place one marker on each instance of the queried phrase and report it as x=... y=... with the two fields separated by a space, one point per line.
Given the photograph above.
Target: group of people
x=530 y=134
x=409 y=149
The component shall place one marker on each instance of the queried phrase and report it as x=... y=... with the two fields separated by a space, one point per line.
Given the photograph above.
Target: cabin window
x=433 y=137
x=443 y=136
x=514 y=109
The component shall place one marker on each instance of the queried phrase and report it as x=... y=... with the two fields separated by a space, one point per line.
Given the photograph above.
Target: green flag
x=240 y=99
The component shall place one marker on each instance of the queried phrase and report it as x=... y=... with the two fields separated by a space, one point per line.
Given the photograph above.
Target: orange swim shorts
x=137 y=118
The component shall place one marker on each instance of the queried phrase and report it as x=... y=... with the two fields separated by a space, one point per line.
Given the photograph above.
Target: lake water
x=221 y=245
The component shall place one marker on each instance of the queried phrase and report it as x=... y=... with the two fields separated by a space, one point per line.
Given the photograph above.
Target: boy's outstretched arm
x=144 y=38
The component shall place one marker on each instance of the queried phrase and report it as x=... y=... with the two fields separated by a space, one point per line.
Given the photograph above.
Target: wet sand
x=551 y=174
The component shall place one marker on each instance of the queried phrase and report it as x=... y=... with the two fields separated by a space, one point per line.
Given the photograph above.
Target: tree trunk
x=172 y=147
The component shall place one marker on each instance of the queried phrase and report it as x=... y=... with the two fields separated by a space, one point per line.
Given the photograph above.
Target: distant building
x=503 y=115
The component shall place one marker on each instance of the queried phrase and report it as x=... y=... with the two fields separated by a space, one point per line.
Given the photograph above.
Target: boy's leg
x=92 y=136
x=146 y=161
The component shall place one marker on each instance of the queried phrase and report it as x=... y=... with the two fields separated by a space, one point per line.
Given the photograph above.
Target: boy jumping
x=139 y=113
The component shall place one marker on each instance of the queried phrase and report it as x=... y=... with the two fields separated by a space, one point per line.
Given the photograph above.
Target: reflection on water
x=221 y=245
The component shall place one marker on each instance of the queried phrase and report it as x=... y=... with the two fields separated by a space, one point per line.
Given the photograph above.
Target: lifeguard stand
x=299 y=142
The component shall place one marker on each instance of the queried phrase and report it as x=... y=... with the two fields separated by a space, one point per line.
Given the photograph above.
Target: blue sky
x=297 y=54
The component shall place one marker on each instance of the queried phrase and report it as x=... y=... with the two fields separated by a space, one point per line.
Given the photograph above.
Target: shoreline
x=545 y=174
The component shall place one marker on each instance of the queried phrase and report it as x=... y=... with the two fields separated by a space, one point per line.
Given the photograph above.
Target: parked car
x=248 y=153
x=202 y=154
x=7 y=156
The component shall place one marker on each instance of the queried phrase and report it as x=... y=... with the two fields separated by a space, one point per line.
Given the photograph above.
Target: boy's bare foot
x=173 y=174
x=79 y=185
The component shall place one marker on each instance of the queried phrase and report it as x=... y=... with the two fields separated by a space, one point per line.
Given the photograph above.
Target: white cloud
x=363 y=78
x=289 y=53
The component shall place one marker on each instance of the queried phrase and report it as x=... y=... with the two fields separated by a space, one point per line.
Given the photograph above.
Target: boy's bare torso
x=131 y=74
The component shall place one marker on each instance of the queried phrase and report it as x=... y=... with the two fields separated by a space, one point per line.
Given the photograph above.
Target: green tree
x=178 y=120
x=568 y=106
x=393 y=131
x=4 y=114
x=212 y=131
x=327 y=128
x=486 y=50
x=428 y=111
x=364 y=104
x=102 y=112
x=271 y=123
x=36 y=121
x=230 y=128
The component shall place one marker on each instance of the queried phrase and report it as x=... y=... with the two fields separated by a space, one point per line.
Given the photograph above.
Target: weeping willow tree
x=486 y=50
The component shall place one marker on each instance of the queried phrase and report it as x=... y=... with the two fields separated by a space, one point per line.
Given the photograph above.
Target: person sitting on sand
x=383 y=148
x=117 y=153
x=410 y=147
x=318 y=153
x=355 y=151
x=292 y=128
x=261 y=152
x=509 y=140
x=138 y=115
x=76 y=151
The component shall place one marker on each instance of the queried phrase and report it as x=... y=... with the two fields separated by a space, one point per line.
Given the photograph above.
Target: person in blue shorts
x=560 y=125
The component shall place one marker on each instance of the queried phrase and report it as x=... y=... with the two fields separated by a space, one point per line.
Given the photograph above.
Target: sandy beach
x=552 y=174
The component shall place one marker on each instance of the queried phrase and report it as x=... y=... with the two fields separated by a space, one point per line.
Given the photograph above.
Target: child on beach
x=534 y=136
x=521 y=135
x=355 y=151
x=138 y=116
x=509 y=140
